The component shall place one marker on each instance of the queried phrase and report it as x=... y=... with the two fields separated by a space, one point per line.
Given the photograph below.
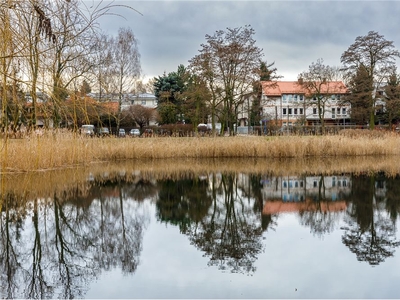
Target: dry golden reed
x=65 y=150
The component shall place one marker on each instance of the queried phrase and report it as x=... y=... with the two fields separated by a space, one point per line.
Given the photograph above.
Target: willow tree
x=35 y=32
x=67 y=59
x=6 y=53
x=377 y=56
x=229 y=64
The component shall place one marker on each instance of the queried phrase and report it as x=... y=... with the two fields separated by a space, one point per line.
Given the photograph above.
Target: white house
x=145 y=99
x=286 y=103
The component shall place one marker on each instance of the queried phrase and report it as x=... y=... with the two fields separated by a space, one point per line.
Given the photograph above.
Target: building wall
x=289 y=109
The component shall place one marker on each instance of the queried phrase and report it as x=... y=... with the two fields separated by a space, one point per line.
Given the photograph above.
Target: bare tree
x=141 y=115
x=49 y=42
x=229 y=64
x=377 y=55
x=125 y=64
x=320 y=82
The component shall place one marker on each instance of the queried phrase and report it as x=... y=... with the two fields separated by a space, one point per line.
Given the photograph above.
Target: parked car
x=104 y=131
x=121 y=132
x=87 y=130
x=134 y=132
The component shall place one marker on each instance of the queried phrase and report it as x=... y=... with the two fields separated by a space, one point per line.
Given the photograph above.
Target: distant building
x=145 y=99
x=286 y=103
x=311 y=193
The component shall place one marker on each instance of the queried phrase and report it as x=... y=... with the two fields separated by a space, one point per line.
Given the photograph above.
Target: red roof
x=278 y=88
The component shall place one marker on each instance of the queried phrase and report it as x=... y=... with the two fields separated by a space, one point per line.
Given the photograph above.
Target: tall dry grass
x=54 y=150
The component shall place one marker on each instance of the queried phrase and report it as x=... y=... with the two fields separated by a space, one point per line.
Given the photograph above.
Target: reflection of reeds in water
x=54 y=151
x=78 y=179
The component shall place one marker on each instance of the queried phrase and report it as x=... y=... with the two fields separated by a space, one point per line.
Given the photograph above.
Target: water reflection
x=218 y=217
x=370 y=232
x=56 y=245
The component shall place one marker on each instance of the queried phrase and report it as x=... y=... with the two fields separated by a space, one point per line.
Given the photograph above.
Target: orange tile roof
x=278 y=88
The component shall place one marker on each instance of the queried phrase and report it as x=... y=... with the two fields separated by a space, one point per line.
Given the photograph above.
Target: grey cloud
x=292 y=33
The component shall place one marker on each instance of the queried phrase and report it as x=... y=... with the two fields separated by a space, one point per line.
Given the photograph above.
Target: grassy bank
x=54 y=151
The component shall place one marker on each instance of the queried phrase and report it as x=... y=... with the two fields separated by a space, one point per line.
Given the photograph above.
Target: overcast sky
x=293 y=34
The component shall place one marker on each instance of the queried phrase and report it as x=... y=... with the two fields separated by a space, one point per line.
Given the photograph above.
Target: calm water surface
x=209 y=235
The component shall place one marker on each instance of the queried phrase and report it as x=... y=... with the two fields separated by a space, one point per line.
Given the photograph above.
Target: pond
x=190 y=229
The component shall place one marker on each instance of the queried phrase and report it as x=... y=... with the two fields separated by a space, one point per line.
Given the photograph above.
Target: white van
x=87 y=130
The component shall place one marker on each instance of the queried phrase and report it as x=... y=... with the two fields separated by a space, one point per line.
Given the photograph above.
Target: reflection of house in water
x=305 y=193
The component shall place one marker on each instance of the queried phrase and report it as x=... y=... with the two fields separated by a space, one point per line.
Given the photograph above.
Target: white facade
x=145 y=99
x=287 y=103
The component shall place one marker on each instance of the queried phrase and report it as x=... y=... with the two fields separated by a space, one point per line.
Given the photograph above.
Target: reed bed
x=54 y=150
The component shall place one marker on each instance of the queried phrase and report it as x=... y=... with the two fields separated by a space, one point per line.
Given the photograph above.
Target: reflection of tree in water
x=183 y=202
x=319 y=218
x=223 y=224
x=55 y=247
x=370 y=233
x=254 y=190
x=10 y=229
x=392 y=187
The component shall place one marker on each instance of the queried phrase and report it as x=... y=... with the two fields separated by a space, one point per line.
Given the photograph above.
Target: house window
x=301 y=98
x=295 y=111
x=333 y=112
x=338 y=97
x=295 y=98
x=289 y=98
x=344 y=112
x=314 y=110
x=290 y=111
x=284 y=111
x=284 y=98
x=301 y=111
x=143 y=102
x=338 y=110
